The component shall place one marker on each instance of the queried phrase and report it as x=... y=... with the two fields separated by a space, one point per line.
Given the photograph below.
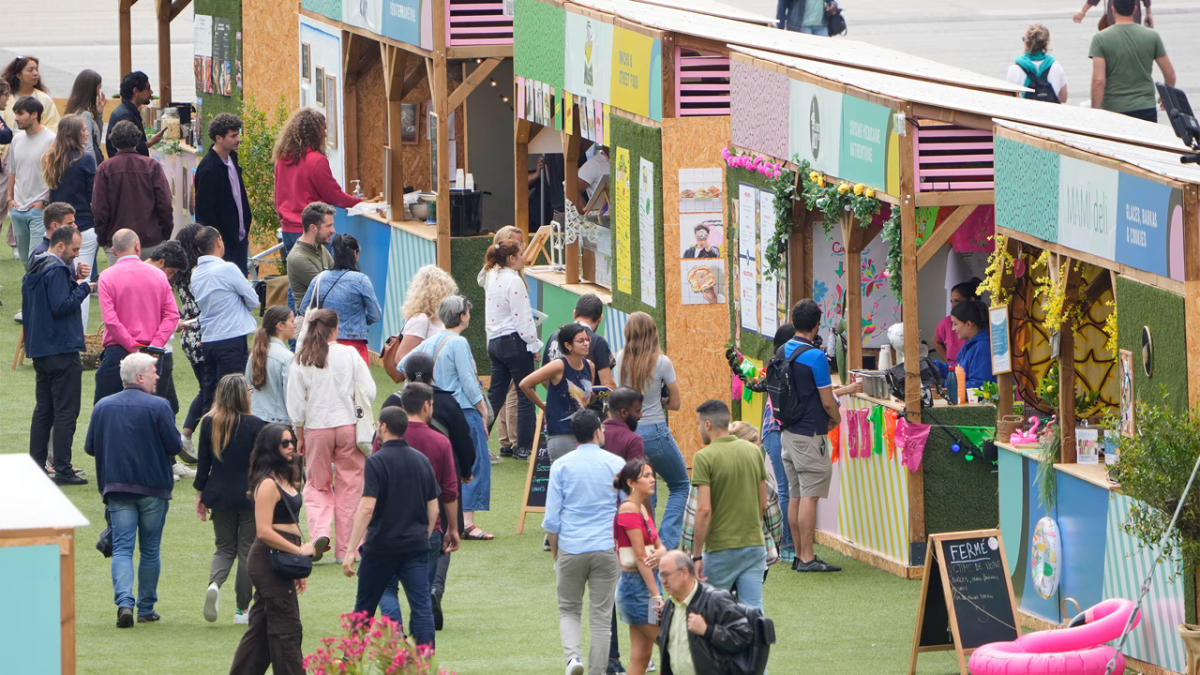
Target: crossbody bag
x=290 y=565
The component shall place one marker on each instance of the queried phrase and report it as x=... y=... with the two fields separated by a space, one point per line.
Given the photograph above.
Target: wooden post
x=1066 y=367
x=853 y=292
x=126 y=39
x=912 y=329
x=441 y=106
x=1191 y=296
x=668 y=75
x=67 y=602
x=394 y=62
x=572 y=193
x=164 y=53
x=1004 y=381
x=800 y=258
x=521 y=172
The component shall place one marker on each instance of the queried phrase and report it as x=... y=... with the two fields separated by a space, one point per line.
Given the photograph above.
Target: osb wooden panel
x=271 y=47
x=416 y=161
x=372 y=126
x=696 y=334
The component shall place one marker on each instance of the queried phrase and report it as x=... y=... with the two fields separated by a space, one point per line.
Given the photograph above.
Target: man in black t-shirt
x=398 y=511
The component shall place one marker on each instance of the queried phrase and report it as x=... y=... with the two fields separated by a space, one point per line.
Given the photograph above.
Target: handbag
x=834 y=21
x=289 y=565
x=104 y=544
x=364 y=425
x=391 y=358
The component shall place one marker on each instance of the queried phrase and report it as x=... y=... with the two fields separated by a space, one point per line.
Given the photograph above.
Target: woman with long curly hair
x=69 y=173
x=302 y=173
x=270 y=359
x=24 y=77
x=641 y=365
x=87 y=100
x=429 y=286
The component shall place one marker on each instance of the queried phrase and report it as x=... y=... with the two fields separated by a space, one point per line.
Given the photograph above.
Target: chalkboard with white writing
x=538 y=478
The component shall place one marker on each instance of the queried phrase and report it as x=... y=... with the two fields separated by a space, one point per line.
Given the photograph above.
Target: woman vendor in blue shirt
x=970 y=322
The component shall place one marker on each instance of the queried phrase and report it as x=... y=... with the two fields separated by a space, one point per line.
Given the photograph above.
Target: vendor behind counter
x=970 y=322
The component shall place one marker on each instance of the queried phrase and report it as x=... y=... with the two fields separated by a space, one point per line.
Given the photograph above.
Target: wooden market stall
x=37 y=559
x=926 y=150
x=1123 y=219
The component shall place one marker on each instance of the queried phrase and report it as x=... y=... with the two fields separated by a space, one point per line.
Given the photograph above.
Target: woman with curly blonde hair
x=429 y=286
x=302 y=173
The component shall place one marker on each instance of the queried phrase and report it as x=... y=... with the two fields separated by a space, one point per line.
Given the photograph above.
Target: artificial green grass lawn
x=501 y=614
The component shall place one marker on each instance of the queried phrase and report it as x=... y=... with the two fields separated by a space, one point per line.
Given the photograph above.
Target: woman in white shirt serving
x=512 y=336
x=320 y=401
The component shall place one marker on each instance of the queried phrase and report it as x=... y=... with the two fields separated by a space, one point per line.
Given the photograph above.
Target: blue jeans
x=141 y=518
x=821 y=30
x=773 y=444
x=389 y=604
x=29 y=228
x=664 y=456
x=740 y=567
x=477 y=495
x=412 y=569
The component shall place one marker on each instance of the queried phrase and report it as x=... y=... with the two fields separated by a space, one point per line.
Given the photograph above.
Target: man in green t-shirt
x=1123 y=57
x=732 y=493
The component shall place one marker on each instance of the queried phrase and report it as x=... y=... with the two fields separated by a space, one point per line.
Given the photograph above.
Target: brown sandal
x=475 y=534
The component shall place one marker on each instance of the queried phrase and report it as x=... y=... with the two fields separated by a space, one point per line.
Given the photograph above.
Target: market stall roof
x=841 y=50
x=712 y=8
x=1163 y=163
x=1087 y=121
x=31 y=501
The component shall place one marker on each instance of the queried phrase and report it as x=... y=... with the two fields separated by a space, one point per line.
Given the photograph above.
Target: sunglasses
x=288 y=441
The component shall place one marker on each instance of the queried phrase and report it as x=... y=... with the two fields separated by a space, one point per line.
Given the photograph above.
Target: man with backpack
x=806 y=406
x=1038 y=70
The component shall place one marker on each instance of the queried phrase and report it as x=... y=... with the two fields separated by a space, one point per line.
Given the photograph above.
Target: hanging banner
x=747 y=286
x=815 y=126
x=646 y=233
x=1144 y=215
x=637 y=74
x=621 y=221
x=864 y=142
x=1087 y=207
x=588 y=57
x=768 y=296
x=364 y=14
x=402 y=20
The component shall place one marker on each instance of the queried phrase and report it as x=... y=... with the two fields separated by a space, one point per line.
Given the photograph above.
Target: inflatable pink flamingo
x=1078 y=649
x=1026 y=437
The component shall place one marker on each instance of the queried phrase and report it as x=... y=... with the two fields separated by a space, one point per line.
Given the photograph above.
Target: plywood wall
x=416 y=160
x=696 y=334
x=271 y=46
x=372 y=125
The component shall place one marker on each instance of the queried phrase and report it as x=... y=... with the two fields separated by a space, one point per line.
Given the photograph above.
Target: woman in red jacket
x=302 y=173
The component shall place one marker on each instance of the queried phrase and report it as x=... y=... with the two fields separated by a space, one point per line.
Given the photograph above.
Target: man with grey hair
x=309 y=256
x=133 y=437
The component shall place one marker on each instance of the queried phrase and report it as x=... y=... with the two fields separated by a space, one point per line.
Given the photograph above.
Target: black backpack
x=781 y=386
x=1042 y=89
x=834 y=21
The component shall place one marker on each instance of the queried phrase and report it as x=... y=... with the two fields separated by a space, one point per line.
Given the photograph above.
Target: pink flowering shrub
x=371 y=647
x=751 y=163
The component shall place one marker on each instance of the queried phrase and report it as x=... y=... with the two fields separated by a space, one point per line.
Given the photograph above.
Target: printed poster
x=747 y=286
x=568 y=112
x=520 y=97
x=402 y=20
x=589 y=44
x=703 y=282
x=1144 y=216
x=202 y=44
x=832 y=280
x=222 y=55
x=637 y=74
x=864 y=143
x=747 y=219
x=1087 y=207
x=815 y=123
x=601 y=122
x=769 y=294
x=646 y=232
x=621 y=220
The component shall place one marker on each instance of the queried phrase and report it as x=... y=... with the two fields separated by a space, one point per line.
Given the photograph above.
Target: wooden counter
x=1025 y=451
x=544 y=274
x=885 y=402
x=1096 y=474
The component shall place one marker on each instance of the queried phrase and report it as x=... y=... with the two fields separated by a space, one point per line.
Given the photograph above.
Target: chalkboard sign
x=973 y=603
x=538 y=478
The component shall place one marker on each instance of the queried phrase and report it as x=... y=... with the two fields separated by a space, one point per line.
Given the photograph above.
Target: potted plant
x=370 y=647
x=1154 y=470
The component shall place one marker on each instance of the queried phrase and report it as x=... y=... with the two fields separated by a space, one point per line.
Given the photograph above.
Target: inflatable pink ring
x=1076 y=650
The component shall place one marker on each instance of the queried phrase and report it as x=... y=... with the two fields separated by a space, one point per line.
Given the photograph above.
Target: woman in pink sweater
x=302 y=173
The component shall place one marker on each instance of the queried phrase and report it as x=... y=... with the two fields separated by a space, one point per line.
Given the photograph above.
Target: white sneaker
x=574 y=667
x=650 y=667
x=16 y=253
x=182 y=471
x=17 y=316
x=188 y=454
x=212 y=600
x=241 y=618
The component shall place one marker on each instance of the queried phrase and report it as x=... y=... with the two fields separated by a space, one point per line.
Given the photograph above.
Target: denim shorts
x=633 y=599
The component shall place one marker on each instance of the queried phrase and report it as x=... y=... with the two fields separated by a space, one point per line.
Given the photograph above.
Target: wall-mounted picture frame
x=305 y=62
x=319 y=83
x=331 y=112
x=410 y=123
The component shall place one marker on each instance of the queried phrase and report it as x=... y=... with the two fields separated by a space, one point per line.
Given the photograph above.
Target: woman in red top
x=639 y=594
x=302 y=173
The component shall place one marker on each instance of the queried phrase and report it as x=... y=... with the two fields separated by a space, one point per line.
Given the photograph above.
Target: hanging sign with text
x=636 y=85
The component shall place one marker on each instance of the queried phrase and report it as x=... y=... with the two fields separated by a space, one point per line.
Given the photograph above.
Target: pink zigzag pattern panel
x=759 y=109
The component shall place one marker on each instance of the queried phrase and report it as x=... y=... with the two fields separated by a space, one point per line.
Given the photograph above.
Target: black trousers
x=275 y=633
x=238 y=253
x=511 y=362
x=59 y=386
x=196 y=409
x=220 y=359
x=108 y=376
x=1148 y=114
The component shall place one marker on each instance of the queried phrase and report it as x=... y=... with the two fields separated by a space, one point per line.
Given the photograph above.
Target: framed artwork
x=320 y=80
x=1125 y=360
x=331 y=112
x=410 y=121
x=305 y=62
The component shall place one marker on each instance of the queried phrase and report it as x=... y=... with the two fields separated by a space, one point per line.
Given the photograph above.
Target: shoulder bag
x=313 y=305
x=284 y=564
x=364 y=425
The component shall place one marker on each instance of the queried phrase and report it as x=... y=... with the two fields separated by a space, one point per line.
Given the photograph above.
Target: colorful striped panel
x=873 y=504
x=407 y=255
x=1126 y=563
x=613 y=328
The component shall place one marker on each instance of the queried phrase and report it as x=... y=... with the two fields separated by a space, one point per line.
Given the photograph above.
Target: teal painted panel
x=32 y=592
x=559 y=305
x=328 y=8
x=1082 y=518
x=1026 y=189
x=1011 y=470
x=539 y=42
x=407 y=254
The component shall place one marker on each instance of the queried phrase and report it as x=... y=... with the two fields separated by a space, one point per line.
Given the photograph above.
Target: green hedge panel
x=539 y=47
x=215 y=104
x=466 y=259
x=1138 y=306
x=959 y=495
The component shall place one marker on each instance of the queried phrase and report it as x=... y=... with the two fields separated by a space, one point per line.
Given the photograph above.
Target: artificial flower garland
x=835 y=199
x=783 y=183
x=999 y=264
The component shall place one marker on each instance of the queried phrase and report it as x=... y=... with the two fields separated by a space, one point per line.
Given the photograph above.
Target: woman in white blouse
x=320 y=401
x=429 y=286
x=512 y=335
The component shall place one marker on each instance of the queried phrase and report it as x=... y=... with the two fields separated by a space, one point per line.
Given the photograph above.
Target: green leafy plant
x=785 y=193
x=1154 y=468
x=895 y=255
x=258 y=169
x=1049 y=454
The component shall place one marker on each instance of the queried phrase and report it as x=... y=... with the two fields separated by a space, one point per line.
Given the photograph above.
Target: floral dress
x=191 y=334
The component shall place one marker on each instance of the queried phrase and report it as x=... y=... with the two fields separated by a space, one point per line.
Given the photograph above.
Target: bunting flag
x=876 y=418
x=835 y=444
x=911 y=438
x=977 y=435
x=889 y=432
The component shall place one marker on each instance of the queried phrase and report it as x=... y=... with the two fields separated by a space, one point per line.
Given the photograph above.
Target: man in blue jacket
x=133 y=437
x=51 y=294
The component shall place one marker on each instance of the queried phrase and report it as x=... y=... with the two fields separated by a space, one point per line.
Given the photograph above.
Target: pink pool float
x=1078 y=649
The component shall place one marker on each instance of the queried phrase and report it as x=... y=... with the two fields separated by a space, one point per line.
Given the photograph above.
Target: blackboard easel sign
x=533 y=500
x=973 y=605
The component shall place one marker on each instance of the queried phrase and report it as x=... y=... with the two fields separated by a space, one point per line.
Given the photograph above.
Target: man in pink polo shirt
x=139 y=313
